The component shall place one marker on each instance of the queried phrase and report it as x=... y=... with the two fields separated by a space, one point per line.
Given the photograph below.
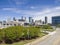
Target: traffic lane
x=51 y=39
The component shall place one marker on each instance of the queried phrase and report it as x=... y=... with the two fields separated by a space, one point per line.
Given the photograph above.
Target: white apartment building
x=18 y=22
x=39 y=22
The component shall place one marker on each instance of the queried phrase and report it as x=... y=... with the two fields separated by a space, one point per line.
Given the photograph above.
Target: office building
x=55 y=20
x=30 y=20
x=14 y=19
x=45 y=20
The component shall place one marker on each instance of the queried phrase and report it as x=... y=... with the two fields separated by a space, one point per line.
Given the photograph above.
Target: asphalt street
x=53 y=39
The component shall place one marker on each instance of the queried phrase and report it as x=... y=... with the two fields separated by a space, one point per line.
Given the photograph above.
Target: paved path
x=54 y=39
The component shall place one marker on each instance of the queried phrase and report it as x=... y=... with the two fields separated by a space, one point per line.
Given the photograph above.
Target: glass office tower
x=45 y=20
x=55 y=20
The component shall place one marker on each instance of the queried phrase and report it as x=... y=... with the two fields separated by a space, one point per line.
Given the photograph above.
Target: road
x=52 y=39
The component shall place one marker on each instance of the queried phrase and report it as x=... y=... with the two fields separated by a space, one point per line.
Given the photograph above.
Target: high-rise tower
x=30 y=19
x=14 y=19
x=45 y=20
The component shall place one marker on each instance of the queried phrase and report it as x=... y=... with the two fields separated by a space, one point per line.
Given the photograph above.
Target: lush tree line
x=17 y=33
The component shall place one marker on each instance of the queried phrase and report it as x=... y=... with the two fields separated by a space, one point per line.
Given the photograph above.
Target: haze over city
x=37 y=9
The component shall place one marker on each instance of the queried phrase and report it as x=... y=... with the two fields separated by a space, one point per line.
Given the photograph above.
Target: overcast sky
x=37 y=9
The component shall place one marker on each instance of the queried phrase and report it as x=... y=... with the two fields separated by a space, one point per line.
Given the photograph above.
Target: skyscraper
x=14 y=19
x=30 y=19
x=45 y=20
x=22 y=17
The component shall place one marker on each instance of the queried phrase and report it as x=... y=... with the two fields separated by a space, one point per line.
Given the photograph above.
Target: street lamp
x=28 y=35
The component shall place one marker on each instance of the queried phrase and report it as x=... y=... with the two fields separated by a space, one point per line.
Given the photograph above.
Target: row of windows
x=12 y=24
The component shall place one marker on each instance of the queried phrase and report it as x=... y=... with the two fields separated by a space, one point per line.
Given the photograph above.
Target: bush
x=47 y=27
x=16 y=33
x=13 y=33
x=1 y=35
x=34 y=32
x=58 y=25
x=29 y=32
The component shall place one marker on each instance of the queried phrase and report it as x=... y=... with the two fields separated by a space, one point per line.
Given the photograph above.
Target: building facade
x=39 y=22
x=45 y=20
x=55 y=20
x=30 y=20
x=17 y=22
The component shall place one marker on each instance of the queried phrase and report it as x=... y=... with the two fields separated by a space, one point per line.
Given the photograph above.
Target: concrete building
x=0 y=24
x=39 y=22
x=15 y=22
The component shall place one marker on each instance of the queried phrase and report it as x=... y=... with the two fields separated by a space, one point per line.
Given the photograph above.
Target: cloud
x=9 y=9
x=49 y=12
x=57 y=1
x=20 y=2
x=57 y=7
x=32 y=7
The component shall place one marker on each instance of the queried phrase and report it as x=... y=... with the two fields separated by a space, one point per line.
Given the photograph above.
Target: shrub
x=34 y=31
x=15 y=33
x=29 y=32
x=58 y=25
x=1 y=35
x=46 y=27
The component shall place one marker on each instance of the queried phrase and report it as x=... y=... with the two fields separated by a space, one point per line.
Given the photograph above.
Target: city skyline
x=37 y=9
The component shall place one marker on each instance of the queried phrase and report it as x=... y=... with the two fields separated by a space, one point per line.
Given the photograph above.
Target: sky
x=37 y=9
